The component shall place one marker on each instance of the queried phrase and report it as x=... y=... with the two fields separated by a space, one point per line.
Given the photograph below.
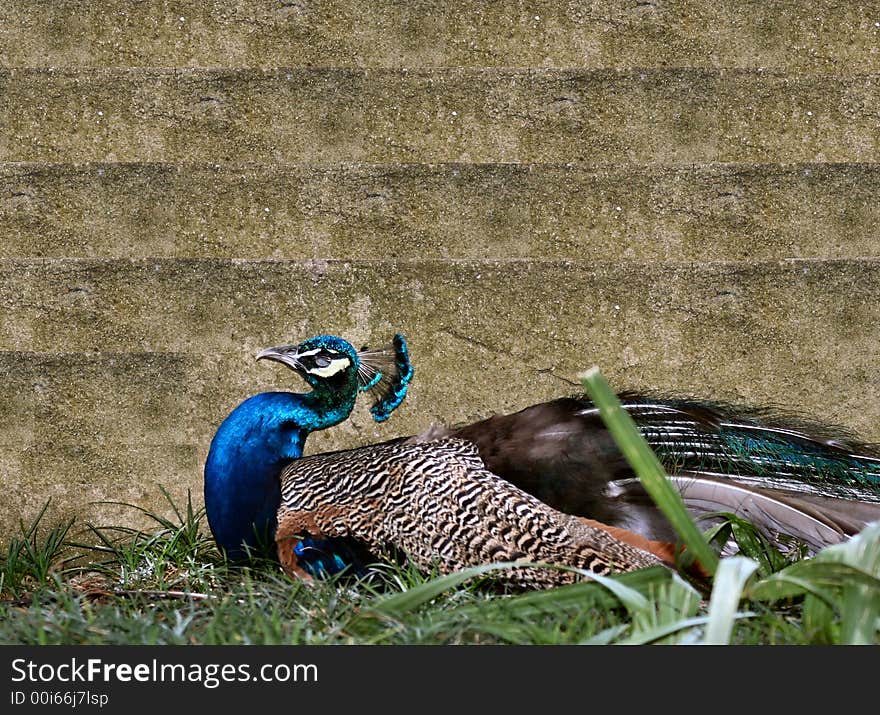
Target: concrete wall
x=684 y=193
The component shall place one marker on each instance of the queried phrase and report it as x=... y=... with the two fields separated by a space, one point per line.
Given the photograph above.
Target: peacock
x=431 y=500
x=546 y=483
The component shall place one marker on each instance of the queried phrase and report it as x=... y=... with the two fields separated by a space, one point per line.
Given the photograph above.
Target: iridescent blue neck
x=251 y=447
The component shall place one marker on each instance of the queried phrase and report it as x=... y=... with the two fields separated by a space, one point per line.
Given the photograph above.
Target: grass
x=169 y=585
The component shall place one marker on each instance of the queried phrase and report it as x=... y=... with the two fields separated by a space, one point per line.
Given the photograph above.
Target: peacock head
x=268 y=430
x=332 y=366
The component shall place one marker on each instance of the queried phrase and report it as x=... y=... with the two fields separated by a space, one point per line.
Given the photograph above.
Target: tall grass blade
x=813 y=576
x=663 y=631
x=727 y=589
x=859 y=604
x=647 y=467
x=841 y=589
x=669 y=603
x=584 y=594
x=400 y=603
x=626 y=592
x=631 y=599
x=606 y=636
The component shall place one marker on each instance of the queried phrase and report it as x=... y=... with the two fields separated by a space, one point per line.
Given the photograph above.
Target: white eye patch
x=335 y=366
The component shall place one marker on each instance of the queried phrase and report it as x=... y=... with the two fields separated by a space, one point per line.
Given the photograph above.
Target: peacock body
x=438 y=504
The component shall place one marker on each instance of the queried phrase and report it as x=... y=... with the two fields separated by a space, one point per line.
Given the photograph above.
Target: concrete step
x=704 y=212
x=93 y=482
x=144 y=399
x=453 y=115
x=820 y=36
x=482 y=332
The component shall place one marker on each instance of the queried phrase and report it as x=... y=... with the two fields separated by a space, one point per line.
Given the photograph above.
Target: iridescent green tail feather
x=758 y=446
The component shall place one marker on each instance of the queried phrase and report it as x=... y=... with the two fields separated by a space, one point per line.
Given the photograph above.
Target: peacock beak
x=286 y=354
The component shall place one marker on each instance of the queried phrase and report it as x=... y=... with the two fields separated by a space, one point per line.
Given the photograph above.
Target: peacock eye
x=322 y=361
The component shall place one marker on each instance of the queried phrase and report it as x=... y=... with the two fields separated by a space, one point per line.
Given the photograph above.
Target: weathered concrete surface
x=819 y=36
x=98 y=398
x=134 y=363
x=78 y=480
x=454 y=115
x=640 y=212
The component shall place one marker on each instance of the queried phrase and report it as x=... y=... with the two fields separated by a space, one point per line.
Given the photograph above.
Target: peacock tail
x=790 y=476
x=757 y=446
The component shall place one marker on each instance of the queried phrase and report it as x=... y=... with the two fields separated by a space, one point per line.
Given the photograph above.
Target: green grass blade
x=583 y=594
x=670 y=601
x=631 y=599
x=663 y=631
x=860 y=615
x=607 y=636
x=400 y=603
x=648 y=468
x=859 y=605
x=821 y=578
x=630 y=596
x=755 y=545
x=841 y=589
x=727 y=589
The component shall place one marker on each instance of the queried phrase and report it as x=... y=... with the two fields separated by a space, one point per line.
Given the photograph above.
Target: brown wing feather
x=564 y=459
